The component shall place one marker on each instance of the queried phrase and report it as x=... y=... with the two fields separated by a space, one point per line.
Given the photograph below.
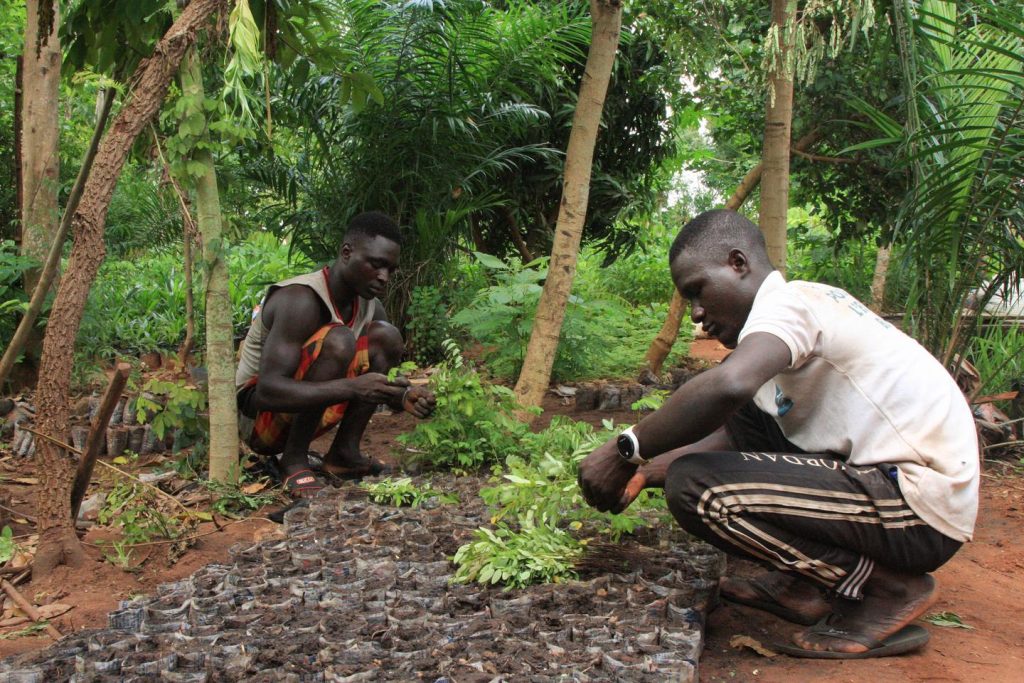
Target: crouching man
x=828 y=446
x=317 y=355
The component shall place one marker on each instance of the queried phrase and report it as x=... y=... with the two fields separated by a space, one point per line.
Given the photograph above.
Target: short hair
x=718 y=230
x=372 y=224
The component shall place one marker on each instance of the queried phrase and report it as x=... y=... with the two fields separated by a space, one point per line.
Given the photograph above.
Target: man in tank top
x=829 y=446
x=317 y=355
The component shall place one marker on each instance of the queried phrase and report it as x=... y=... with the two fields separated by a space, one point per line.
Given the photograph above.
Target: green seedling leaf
x=947 y=620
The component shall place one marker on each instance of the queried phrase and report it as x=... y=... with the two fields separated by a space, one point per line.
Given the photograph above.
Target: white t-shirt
x=859 y=387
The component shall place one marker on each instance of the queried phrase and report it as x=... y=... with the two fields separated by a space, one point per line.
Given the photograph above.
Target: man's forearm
x=285 y=395
x=693 y=412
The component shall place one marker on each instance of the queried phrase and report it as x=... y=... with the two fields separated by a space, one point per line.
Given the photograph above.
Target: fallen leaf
x=13 y=621
x=254 y=487
x=54 y=610
x=947 y=619
x=740 y=642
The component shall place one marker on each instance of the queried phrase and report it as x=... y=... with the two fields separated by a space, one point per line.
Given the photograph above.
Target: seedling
x=402 y=492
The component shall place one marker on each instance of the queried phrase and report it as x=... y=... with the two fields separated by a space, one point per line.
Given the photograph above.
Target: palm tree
x=962 y=224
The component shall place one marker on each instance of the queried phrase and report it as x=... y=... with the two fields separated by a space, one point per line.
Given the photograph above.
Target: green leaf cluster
x=403 y=493
x=135 y=510
x=230 y=500
x=7 y=545
x=473 y=425
x=538 y=552
x=174 y=405
x=601 y=335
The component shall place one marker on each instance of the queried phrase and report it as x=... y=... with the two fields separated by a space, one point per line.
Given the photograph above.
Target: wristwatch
x=629 y=448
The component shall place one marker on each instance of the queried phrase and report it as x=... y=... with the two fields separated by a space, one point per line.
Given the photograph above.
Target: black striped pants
x=800 y=512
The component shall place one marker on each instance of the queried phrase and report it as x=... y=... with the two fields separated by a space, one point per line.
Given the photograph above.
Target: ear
x=738 y=261
x=345 y=251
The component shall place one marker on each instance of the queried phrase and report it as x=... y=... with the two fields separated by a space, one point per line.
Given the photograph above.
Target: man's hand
x=373 y=387
x=419 y=401
x=608 y=482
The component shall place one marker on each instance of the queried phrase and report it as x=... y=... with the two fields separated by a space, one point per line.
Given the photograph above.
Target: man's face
x=368 y=264
x=718 y=291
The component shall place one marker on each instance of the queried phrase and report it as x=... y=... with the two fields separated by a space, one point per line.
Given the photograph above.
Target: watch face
x=625 y=445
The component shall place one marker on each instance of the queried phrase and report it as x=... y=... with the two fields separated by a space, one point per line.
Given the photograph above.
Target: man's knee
x=338 y=348
x=686 y=481
x=386 y=344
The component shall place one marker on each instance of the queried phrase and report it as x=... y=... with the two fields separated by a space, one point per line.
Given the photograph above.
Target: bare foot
x=891 y=601
x=798 y=600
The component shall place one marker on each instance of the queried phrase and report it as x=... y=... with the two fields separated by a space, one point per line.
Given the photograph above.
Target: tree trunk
x=669 y=332
x=606 y=17
x=40 y=156
x=57 y=541
x=220 y=350
x=775 y=154
x=879 y=279
x=26 y=326
x=190 y=307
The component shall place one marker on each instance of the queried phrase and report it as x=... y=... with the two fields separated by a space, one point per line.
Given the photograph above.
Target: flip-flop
x=302 y=484
x=372 y=468
x=767 y=602
x=907 y=639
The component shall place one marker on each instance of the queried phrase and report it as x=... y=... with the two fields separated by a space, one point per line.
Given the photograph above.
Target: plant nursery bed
x=353 y=591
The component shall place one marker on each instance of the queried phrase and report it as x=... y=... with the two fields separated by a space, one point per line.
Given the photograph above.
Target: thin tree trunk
x=19 y=190
x=40 y=157
x=57 y=541
x=880 y=277
x=220 y=350
x=606 y=17
x=49 y=272
x=517 y=237
x=775 y=154
x=190 y=306
x=669 y=332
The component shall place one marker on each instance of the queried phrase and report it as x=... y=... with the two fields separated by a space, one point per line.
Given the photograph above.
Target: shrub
x=601 y=336
x=474 y=423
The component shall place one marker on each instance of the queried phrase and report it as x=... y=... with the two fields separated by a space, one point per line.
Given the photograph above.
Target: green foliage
x=177 y=406
x=7 y=545
x=997 y=353
x=403 y=493
x=539 y=511
x=818 y=255
x=37 y=627
x=12 y=298
x=652 y=401
x=135 y=510
x=428 y=324
x=538 y=552
x=474 y=423
x=947 y=619
x=138 y=305
x=231 y=500
x=601 y=335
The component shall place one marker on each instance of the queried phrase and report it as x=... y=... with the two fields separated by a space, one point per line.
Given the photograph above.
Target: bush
x=474 y=424
x=138 y=305
x=601 y=336
x=12 y=267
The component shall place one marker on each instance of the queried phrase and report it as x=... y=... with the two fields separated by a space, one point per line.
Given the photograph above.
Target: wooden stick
x=96 y=433
x=30 y=611
x=1005 y=396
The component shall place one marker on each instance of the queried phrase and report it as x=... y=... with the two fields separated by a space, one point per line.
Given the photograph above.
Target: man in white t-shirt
x=829 y=445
